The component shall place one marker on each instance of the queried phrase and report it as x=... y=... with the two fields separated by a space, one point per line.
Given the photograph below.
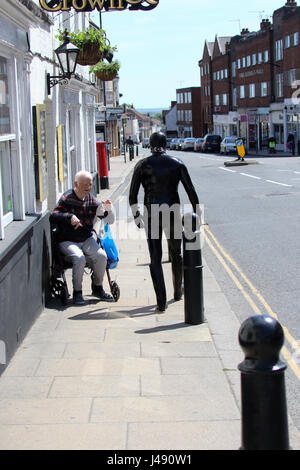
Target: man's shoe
x=99 y=292
x=161 y=307
x=78 y=298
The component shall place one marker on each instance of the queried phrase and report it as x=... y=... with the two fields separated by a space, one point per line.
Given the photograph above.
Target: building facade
x=189 y=112
x=44 y=140
x=205 y=65
x=251 y=82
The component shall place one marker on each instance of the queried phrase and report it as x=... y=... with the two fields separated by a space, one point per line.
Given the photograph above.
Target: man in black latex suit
x=160 y=175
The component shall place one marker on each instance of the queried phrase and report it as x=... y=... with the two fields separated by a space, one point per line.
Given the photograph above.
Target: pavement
x=121 y=376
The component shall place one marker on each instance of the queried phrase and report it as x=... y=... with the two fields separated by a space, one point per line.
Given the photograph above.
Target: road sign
x=240 y=148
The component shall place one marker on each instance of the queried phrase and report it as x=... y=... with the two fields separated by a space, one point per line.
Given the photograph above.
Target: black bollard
x=192 y=270
x=264 y=409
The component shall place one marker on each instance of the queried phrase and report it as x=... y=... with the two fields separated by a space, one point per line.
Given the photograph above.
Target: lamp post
x=67 y=55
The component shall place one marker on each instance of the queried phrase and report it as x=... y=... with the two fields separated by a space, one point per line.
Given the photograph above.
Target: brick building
x=284 y=115
x=189 y=112
x=221 y=89
x=206 y=88
x=252 y=85
x=251 y=82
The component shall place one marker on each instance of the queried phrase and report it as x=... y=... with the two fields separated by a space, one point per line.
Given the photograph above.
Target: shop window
x=5 y=127
x=6 y=184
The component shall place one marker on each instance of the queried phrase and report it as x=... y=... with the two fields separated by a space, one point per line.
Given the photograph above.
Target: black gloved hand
x=138 y=220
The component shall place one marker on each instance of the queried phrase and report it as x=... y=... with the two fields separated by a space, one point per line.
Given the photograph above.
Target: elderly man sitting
x=75 y=212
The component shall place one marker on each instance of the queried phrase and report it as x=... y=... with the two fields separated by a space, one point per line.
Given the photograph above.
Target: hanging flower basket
x=106 y=72
x=106 y=76
x=89 y=54
x=91 y=43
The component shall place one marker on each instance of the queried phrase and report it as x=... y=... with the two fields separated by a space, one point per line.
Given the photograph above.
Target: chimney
x=291 y=3
x=244 y=31
x=265 y=24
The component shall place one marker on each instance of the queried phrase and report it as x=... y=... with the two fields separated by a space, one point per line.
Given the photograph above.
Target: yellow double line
x=228 y=263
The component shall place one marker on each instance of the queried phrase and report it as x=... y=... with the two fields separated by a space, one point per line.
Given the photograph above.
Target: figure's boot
x=159 y=286
x=177 y=280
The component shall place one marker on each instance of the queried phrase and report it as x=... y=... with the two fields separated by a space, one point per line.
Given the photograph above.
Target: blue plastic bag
x=110 y=248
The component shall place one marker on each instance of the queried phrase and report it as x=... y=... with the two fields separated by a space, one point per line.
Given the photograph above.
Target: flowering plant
x=114 y=67
x=91 y=35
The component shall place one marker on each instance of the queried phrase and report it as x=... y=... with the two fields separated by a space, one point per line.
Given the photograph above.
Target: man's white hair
x=82 y=174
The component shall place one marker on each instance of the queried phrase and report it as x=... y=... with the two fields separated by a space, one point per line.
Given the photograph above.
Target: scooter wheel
x=115 y=290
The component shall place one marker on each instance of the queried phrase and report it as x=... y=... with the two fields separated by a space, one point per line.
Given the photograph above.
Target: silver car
x=228 y=145
x=173 y=144
x=179 y=144
x=188 y=143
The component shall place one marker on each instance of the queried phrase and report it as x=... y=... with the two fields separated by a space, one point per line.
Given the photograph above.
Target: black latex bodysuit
x=160 y=175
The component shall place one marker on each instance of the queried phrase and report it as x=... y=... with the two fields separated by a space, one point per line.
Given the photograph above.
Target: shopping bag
x=110 y=248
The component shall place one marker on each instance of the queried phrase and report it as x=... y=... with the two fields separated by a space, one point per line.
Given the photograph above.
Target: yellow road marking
x=286 y=354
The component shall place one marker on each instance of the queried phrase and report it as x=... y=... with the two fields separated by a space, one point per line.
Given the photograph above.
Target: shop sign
x=90 y=5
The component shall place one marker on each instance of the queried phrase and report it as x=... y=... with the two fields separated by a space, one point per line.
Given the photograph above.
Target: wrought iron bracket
x=53 y=80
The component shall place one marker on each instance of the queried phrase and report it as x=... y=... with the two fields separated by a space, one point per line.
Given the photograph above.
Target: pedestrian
x=291 y=143
x=160 y=175
x=272 y=145
x=130 y=145
x=74 y=215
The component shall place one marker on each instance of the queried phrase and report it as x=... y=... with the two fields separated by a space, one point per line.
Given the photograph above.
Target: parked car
x=173 y=144
x=212 y=143
x=188 y=143
x=179 y=144
x=198 y=144
x=228 y=145
x=168 y=142
x=146 y=143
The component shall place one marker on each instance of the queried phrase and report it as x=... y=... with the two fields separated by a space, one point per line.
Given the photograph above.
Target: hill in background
x=151 y=111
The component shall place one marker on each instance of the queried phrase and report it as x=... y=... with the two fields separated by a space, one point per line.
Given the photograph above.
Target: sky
x=159 y=49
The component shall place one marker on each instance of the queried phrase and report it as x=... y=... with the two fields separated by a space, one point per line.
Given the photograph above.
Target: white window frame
x=287 y=41
x=296 y=38
x=264 y=89
x=279 y=50
x=252 y=90
x=266 y=56
x=242 y=92
x=13 y=142
x=291 y=77
x=279 y=85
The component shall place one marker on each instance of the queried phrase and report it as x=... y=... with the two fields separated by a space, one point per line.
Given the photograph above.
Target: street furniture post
x=192 y=270
x=263 y=398
x=102 y=164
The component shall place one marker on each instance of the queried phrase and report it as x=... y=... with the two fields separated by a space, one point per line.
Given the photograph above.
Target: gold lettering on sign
x=112 y=5
x=45 y=6
x=63 y=5
x=75 y=5
x=99 y=3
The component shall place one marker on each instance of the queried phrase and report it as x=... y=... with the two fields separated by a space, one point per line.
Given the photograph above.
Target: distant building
x=251 y=82
x=170 y=121
x=189 y=112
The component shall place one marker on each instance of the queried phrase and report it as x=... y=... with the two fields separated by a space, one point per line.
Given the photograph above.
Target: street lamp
x=67 y=55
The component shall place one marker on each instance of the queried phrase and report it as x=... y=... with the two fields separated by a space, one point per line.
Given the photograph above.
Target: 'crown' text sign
x=90 y=5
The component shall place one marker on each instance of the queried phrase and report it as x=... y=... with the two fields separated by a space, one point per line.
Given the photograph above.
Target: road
x=253 y=244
